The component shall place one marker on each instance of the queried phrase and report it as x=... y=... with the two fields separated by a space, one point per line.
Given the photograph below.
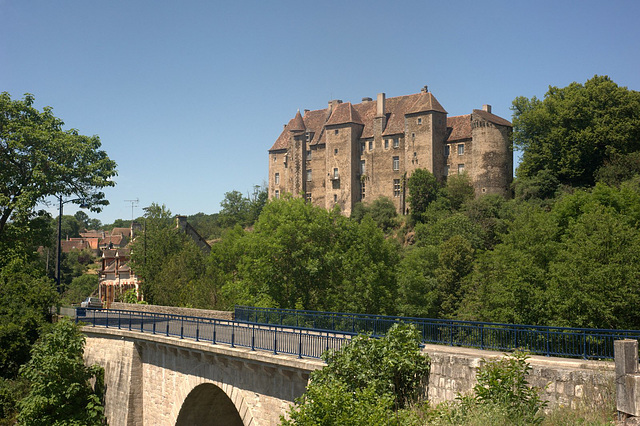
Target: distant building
x=348 y=153
x=115 y=276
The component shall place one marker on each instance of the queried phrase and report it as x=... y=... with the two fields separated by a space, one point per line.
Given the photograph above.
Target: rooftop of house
x=395 y=110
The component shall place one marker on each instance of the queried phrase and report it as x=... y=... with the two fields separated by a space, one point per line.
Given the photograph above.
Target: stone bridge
x=152 y=379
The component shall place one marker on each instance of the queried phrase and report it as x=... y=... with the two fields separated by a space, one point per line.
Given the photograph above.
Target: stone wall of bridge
x=150 y=379
x=563 y=381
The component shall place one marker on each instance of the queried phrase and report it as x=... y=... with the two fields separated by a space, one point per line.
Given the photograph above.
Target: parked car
x=91 y=302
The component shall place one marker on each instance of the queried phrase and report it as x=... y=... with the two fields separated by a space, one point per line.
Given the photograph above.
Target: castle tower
x=492 y=155
x=343 y=131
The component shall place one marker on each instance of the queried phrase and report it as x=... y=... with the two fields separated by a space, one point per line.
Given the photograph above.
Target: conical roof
x=297 y=123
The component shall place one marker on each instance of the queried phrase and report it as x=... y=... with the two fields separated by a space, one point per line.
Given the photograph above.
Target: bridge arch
x=208 y=404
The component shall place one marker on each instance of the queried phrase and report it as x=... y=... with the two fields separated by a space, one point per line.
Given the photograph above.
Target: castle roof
x=364 y=113
x=343 y=114
x=426 y=102
x=492 y=118
x=297 y=124
x=459 y=127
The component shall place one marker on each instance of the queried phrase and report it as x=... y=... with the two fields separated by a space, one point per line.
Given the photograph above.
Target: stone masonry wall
x=564 y=381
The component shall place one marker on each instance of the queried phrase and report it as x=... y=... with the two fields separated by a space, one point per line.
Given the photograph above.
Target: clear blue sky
x=188 y=96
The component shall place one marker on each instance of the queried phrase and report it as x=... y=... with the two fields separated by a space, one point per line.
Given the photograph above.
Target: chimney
x=380 y=105
x=425 y=89
x=366 y=100
x=306 y=111
x=486 y=108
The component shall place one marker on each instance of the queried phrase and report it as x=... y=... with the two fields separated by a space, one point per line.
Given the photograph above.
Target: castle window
x=396 y=163
x=460 y=169
x=362 y=164
x=386 y=144
x=275 y=158
x=397 y=189
x=307 y=197
x=447 y=149
x=335 y=151
x=277 y=178
x=370 y=145
x=362 y=190
x=335 y=174
x=277 y=194
x=461 y=149
x=419 y=120
x=308 y=175
x=335 y=198
x=308 y=154
x=335 y=132
x=413 y=136
x=396 y=142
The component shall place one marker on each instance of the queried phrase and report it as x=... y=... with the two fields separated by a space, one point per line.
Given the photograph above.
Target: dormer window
x=396 y=142
x=335 y=132
x=461 y=149
x=419 y=120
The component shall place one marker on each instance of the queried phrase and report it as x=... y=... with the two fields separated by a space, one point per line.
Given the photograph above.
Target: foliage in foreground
x=61 y=393
x=370 y=381
x=502 y=395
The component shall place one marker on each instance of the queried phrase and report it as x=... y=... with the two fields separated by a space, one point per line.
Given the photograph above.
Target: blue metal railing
x=277 y=339
x=587 y=343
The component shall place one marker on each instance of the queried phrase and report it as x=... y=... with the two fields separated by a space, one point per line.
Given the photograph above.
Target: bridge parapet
x=149 y=377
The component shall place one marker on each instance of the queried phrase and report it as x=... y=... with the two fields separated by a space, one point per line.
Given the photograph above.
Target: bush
x=370 y=381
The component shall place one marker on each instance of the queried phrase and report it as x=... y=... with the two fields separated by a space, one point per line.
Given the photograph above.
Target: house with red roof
x=347 y=153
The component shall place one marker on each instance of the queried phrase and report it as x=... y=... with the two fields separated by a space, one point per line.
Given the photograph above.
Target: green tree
x=38 y=159
x=369 y=381
x=61 y=393
x=455 y=263
x=423 y=189
x=382 y=211
x=160 y=240
x=418 y=294
x=25 y=297
x=458 y=190
x=576 y=129
x=509 y=283
x=80 y=288
x=594 y=279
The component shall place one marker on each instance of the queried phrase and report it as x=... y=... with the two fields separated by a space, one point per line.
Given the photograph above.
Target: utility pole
x=134 y=203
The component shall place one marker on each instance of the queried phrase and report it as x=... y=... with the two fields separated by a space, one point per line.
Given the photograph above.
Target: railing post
x=547 y=343
x=119 y=314
x=129 y=320
x=213 y=342
x=182 y=327
x=233 y=334
x=142 y=322
x=482 y=336
x=94 y=317
x=300 y=343
x=584 y=344
x=154 y=323
x=275 y=340
x=167 y=326
x=253 y=337
x=197 y=329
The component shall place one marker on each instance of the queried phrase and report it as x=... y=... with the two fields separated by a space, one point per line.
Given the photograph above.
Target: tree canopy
x=39 y=159
x=574 y=130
